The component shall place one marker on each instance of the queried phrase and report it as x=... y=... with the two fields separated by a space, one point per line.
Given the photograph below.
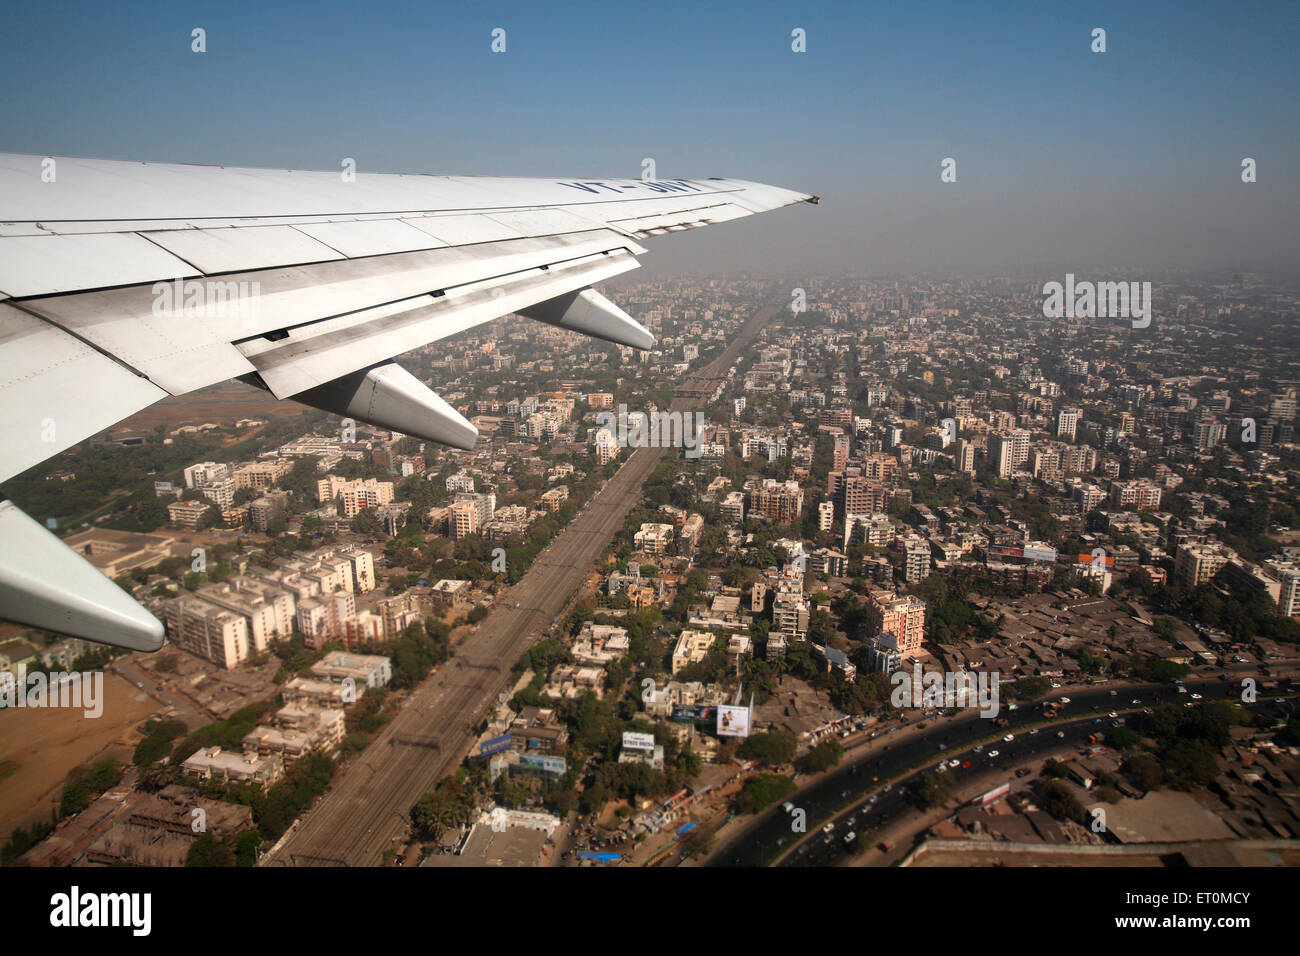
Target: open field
x=221 y=404
x=39 y=746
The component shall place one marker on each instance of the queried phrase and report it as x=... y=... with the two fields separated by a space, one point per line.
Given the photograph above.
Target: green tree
x=208 y=850
x=763 y=790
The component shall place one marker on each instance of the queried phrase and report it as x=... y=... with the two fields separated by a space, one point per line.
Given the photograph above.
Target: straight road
x=366 y=810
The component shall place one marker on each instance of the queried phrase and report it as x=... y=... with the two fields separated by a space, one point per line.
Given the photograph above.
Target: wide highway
x=366 y=810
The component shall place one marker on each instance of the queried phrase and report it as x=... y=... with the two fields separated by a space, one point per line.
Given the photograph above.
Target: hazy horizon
x=1124 y=161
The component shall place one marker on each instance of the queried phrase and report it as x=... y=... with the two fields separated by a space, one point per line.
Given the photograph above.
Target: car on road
x=886 y=788
x=1136 y=700
x=965 y=765
x=788 y=807
x=1112 y=714
x=978 y=748
x=1009 y=737
x=942 y=768
x=828 y=828
x=1065 y=700
x=992 y=754
x=1033 y=730
x=1061 y=734
x=954 y=763
x=1197 y=697
x=1113 y=693
x=892 y=730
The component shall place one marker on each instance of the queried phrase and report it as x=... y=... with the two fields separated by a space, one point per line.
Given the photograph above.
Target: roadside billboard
x=634 y=741
x=696 y=712
x=733 y=721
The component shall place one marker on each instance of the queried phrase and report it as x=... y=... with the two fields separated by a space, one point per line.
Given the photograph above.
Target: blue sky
x=1065 y=158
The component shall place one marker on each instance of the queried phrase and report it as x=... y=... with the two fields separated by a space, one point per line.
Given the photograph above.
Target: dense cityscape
x=707 y=565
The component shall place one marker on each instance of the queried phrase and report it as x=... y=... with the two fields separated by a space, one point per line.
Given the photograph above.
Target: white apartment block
x=367 y=670
x=211 y=632
x=268 y=610
x=355 y=495
x=653 y=538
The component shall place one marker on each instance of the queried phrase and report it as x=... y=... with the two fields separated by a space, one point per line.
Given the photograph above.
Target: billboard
x=1028 y=552
x=555 y=765
x=633 y=741
x=494 y=746
x=733 y=721
x=700 y=712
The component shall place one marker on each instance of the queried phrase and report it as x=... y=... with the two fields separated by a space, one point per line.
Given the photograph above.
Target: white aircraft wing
x=122 y=283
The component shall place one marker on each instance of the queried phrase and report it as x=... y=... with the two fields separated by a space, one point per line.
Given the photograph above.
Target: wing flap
x=321 y=352
x=181 y=345
x=56 y=391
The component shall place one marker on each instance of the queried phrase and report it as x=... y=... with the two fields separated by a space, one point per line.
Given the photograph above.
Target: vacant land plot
x=39 y=746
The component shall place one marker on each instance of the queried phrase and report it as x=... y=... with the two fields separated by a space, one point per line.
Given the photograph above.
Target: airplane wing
x=122 y=283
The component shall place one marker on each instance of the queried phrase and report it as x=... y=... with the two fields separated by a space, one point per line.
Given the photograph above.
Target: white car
x=1065 y=700
x=1194 y=697
x=992 y=754
x=1033 y=730
x=1112 y=714
x=953 y=763
x=1009 y=737
x=1061 y=734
